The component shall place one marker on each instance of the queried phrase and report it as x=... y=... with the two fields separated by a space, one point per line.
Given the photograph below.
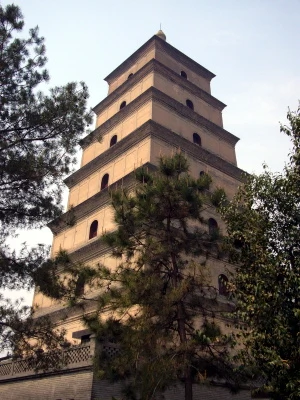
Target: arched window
x=113 y=140
x=79 y=288
x=123 y=104
x=201 y=173
x=183 y=74
x=130 y=75
x=223 y=285
x=190 y=104
x=212 y=226
x=93 y=229
x=196 y=139
x=104 y=181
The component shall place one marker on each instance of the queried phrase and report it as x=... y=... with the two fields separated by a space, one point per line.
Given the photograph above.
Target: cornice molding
x=130 y=61
x=166 y=47
x=107 y=156
x=195 y=151
x=96 y=249
x=149 y=129
x=193 y=116
x=68 y=313
x=89 y=306
x=186 y=84
x=156 y=66
x=90 y=251
x=153 y=94
x=117 y=118
x=109 y=99
x=87 y=207
x=185 y=60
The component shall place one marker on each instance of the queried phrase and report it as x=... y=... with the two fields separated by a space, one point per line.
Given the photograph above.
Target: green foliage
x=38 y=138
x=39 y=132
x=218 y=197
x=61 y=279
x=159 y=296
x=263 y=227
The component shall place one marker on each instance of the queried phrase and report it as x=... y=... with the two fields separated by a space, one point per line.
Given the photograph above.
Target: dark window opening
x=212 y=226
x=197 y=139
x=189 y=104
x=104 y=181
x=113 y=140
x=183 y=74
x=202 y=173
x=130 y=75
x=85 y=339
x=93 y=229
x=79 y=288
x=239 y=243
x=223 y=285
x=123 y=104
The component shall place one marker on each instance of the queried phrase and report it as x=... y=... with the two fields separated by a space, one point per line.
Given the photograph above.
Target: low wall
x=69 y=376
x=65 y=386
x=103 y=390
x=58 y=361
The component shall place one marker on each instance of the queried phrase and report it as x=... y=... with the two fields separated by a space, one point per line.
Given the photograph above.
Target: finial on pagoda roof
x=161 y=34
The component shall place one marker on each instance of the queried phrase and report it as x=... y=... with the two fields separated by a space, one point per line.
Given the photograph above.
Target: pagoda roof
x=156 y=41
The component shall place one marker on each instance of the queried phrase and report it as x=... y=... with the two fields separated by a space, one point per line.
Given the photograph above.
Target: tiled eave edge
x=90 y=205
x=196 y=152
x=170 y=50
x=117 y=118
x=135 y=137
x=89 y=306
x=156 y=95
x=155 y=66
x=67 y=313
x=192 y=116
x=149 y=129
x=91 y=252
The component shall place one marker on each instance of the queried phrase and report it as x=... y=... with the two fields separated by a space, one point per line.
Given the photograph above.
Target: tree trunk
x=188 y=384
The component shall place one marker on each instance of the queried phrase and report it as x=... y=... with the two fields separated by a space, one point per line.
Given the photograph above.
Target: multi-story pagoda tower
x=159 y=100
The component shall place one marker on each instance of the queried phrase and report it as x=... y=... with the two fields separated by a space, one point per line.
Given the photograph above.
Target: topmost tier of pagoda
x=159 y=49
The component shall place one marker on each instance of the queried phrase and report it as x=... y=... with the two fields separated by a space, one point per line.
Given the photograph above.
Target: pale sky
x=251 y=45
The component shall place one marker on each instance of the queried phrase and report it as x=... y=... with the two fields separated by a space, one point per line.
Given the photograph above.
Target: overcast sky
x=251 y=45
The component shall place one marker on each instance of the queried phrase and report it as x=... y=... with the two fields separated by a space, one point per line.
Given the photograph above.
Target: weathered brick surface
x=81 y=386
x=103 y=390
x=72 y=386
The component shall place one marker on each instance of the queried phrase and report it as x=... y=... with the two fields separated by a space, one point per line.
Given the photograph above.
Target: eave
x=154 y=94
x=155 y=66
x=170 y=50
x=149 y=129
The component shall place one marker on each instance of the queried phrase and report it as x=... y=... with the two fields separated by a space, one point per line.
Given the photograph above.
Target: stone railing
x=73 y=357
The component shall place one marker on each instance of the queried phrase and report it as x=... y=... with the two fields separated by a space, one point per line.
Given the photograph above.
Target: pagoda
x=159 y=100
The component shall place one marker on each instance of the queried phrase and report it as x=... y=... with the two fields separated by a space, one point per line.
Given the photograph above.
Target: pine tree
x=38 y=138
x=263 y=226
x=158 y=304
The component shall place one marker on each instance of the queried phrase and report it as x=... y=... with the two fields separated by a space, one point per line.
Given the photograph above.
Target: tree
x=263 y=227
x=158 y=304
x=39 y=134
